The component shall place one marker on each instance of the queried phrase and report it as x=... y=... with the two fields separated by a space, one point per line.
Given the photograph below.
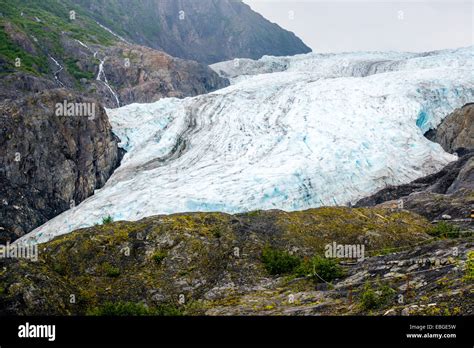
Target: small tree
x=107 y=220
x=279 y=262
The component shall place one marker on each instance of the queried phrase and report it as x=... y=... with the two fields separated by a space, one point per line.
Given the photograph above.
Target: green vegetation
x=110 y=271
x=9 y=51
x=469 y=277
x=73 y=68
x=124 y=22
x=54 y=19
x=92 y=264
x=279 y=262
x=442 y=309
x=383 y=228
x=132 y=309
x=158 y=257
x=320 y=269
x=107 y=220
x=59 y=268
x=34 y=30
x=371 y=298
x=444 y=230
x=216 y=233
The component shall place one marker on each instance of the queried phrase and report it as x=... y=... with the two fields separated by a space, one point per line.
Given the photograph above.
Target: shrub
x=369 y=299
x=320 y=269
x=107 y=220
x=469 y=267
x=279 y=262
x=158 y=256
x=59 y=268
x=132 y=309
x=376 y=298
x=444 y=230
x=216 y=233
x=110 y=271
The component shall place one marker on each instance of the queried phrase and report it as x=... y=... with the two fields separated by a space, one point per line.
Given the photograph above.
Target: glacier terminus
x=290 y=133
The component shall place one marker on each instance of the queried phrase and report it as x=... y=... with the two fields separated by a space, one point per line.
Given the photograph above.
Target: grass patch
x=216 y=232
x=45 y=34
x=29 y=63
x=445 y=230
x=318 y=268
x=59 y=268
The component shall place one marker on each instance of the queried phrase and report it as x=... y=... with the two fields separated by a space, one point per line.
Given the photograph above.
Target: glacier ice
x=289 y=133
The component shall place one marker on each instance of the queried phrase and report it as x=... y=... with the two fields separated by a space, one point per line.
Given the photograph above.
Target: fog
x=339 y=26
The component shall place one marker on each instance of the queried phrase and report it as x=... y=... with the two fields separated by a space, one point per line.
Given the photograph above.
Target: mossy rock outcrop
x=193 y=263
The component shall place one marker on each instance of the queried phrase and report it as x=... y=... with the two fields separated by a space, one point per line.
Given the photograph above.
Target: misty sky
x=354 y=25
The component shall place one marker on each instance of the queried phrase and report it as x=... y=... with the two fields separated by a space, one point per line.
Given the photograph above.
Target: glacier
x=289 y=133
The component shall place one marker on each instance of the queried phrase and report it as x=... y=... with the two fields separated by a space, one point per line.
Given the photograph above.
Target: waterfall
x=57 y=71
x=101 y=75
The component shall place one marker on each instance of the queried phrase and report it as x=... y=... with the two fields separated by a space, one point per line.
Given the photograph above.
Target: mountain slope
x=55 y=51
x=319 y=133
x=207 y=31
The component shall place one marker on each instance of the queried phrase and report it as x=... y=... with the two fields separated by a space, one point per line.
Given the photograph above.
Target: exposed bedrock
x=49 y=163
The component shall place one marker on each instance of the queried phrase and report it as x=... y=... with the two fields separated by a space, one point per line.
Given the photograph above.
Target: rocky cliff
x=143 y=75
x=457 y=130
x=50 y=161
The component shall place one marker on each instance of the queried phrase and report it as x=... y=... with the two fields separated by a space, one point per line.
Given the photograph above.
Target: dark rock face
x=456 y=131
x=433 y=206
x=150 y=75
x=50 y=163
x=19 y=83
x=207 y=31
x=448 y=192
